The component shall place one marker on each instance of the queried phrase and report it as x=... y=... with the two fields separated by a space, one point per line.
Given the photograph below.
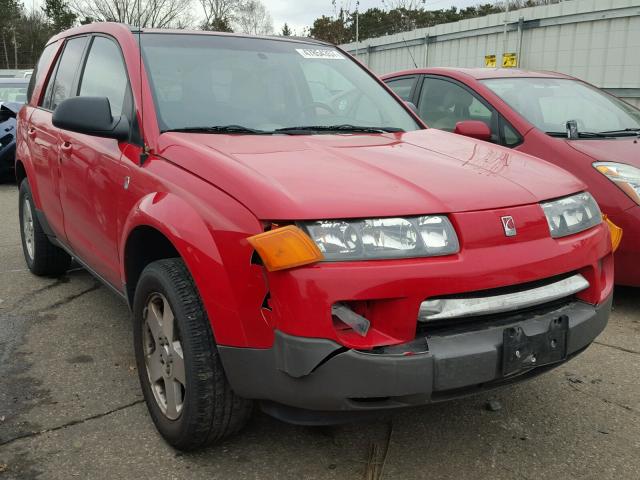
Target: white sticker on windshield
x=320 y=53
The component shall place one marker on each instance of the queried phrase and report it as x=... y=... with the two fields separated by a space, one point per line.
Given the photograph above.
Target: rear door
x=43 y=137
x=92 y=174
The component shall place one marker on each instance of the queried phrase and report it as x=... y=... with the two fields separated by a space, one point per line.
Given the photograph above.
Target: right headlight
x=573 y=214
x=383 y=238
x=624 y=176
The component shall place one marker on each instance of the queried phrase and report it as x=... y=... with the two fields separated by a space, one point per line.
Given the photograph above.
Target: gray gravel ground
x=70 y=405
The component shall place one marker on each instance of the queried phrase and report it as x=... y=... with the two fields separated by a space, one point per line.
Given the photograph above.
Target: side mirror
x=473 y=129
x=91 y=116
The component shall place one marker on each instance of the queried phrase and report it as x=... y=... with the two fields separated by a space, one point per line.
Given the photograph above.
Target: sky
x=301 y=13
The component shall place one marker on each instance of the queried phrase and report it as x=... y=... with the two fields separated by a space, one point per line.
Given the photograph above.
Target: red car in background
x=528 y=111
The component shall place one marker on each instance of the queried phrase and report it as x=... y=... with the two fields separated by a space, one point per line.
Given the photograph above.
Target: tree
x=59 y=14
x=332 y=30
x=286 y=31
x=219 y=14
x=11 y=11
x=252 y=18
x=142 y=13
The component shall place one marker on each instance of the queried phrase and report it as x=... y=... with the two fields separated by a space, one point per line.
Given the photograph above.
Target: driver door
x=93 y=174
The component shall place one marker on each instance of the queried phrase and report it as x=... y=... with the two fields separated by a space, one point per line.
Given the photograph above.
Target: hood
x=623 y=149
x=349 y=176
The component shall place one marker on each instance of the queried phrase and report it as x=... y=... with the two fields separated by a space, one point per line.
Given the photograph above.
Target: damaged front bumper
x=320 y=375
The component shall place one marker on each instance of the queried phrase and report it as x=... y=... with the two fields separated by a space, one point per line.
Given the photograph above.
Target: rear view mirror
x=91 y=116
x=474 y=129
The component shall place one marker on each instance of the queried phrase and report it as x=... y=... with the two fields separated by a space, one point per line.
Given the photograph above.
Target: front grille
x=468 y=324
x=500 y=305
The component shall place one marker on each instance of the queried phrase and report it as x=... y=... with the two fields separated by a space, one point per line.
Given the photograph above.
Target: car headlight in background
x=624 y=176
x=573 y=214
x=425 y=236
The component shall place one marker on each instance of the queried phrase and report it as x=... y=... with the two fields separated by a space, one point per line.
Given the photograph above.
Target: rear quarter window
x=40 y=70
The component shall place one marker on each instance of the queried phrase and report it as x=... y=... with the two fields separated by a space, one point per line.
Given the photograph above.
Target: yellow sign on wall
x=509 y=60
x=490 y=61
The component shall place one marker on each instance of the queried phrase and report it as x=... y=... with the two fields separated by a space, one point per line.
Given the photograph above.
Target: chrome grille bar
x=443 y=308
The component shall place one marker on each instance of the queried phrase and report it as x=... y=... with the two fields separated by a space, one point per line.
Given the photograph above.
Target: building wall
x=595 y=40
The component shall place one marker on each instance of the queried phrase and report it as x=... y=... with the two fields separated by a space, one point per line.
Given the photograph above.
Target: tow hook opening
x=343 y=314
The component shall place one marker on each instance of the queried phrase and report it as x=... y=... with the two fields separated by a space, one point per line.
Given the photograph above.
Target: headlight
x=379 y=238
x=624 y=176
x=573 y=214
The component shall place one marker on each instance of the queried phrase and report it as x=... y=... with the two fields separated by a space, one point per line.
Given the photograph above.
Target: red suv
x=285 y=230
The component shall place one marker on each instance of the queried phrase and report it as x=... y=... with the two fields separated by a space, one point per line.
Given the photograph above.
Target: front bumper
x=321 y=375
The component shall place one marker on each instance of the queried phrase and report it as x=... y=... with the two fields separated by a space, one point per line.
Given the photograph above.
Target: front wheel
x=182 y=379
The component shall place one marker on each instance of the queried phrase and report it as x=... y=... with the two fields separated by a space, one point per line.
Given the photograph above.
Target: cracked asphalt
x=70 y=405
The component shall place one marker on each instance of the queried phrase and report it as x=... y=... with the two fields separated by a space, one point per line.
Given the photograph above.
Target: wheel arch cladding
x=231 y=294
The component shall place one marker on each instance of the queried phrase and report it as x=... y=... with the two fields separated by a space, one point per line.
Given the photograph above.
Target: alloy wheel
x=28 y=228
x=163 y=356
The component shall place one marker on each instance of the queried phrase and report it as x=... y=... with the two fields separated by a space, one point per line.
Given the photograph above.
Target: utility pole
x=357 y=26
x=504 y=34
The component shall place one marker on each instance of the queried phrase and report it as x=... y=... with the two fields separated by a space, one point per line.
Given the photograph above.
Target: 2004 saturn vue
x=288 y=233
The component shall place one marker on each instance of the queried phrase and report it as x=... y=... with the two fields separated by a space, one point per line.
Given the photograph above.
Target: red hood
x=348 y=176
x=622 y=150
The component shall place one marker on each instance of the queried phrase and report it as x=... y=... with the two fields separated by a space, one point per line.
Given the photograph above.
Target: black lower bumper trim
x=456 y=364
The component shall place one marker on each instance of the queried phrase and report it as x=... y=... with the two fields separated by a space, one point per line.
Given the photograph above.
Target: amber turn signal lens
x=285 y=247
x=616 y=233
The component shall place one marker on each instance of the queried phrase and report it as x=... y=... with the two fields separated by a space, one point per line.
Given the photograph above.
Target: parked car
x=286 y=231
x=13 y=93
x=528 y=111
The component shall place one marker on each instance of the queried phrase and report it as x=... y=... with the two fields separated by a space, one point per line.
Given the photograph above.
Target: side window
x=105 y=74
x=510 y=138
x=443 y=103
x=60 y=87
x=39 y=71
x=402 y=86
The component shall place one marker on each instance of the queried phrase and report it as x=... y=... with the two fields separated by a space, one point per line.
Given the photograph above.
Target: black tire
x=44 y=258
x=210 y=410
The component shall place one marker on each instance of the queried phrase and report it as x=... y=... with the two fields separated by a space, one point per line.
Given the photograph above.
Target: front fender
x=218 y=257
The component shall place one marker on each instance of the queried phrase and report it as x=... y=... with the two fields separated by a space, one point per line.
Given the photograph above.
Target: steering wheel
x=321 y=105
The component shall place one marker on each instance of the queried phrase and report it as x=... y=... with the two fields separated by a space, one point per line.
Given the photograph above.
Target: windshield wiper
x=220 y=129
x=580 y=134
x=623 y=131
x=345 y=128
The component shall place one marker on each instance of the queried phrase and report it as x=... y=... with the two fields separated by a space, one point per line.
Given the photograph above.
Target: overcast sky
x=301 y=13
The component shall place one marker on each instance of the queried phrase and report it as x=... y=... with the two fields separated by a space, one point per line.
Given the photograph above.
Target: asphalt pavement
x=70 y=405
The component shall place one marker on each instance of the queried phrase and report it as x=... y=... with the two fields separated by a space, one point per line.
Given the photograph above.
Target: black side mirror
x=91 y=116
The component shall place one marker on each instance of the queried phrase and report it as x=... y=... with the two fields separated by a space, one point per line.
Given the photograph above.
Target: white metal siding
x=595 y=40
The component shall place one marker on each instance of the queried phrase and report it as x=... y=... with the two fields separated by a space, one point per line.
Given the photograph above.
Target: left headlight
x=624 y=176
x=383 y=238
x=573 y=214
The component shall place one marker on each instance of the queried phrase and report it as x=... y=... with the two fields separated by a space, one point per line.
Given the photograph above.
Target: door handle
x=31 y=132
x=66 y=147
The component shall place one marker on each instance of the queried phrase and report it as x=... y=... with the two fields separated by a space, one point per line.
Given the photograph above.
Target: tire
x=43 y=257
x=204 y=407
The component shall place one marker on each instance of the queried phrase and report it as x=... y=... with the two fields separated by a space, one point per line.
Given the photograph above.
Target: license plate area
x=521 y=351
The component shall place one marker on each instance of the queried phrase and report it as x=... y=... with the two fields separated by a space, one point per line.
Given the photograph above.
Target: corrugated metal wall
x=595 y=40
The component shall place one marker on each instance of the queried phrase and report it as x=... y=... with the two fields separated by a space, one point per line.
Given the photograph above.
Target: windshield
x=266 y=85
x=549 y=103
x=13 y=92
